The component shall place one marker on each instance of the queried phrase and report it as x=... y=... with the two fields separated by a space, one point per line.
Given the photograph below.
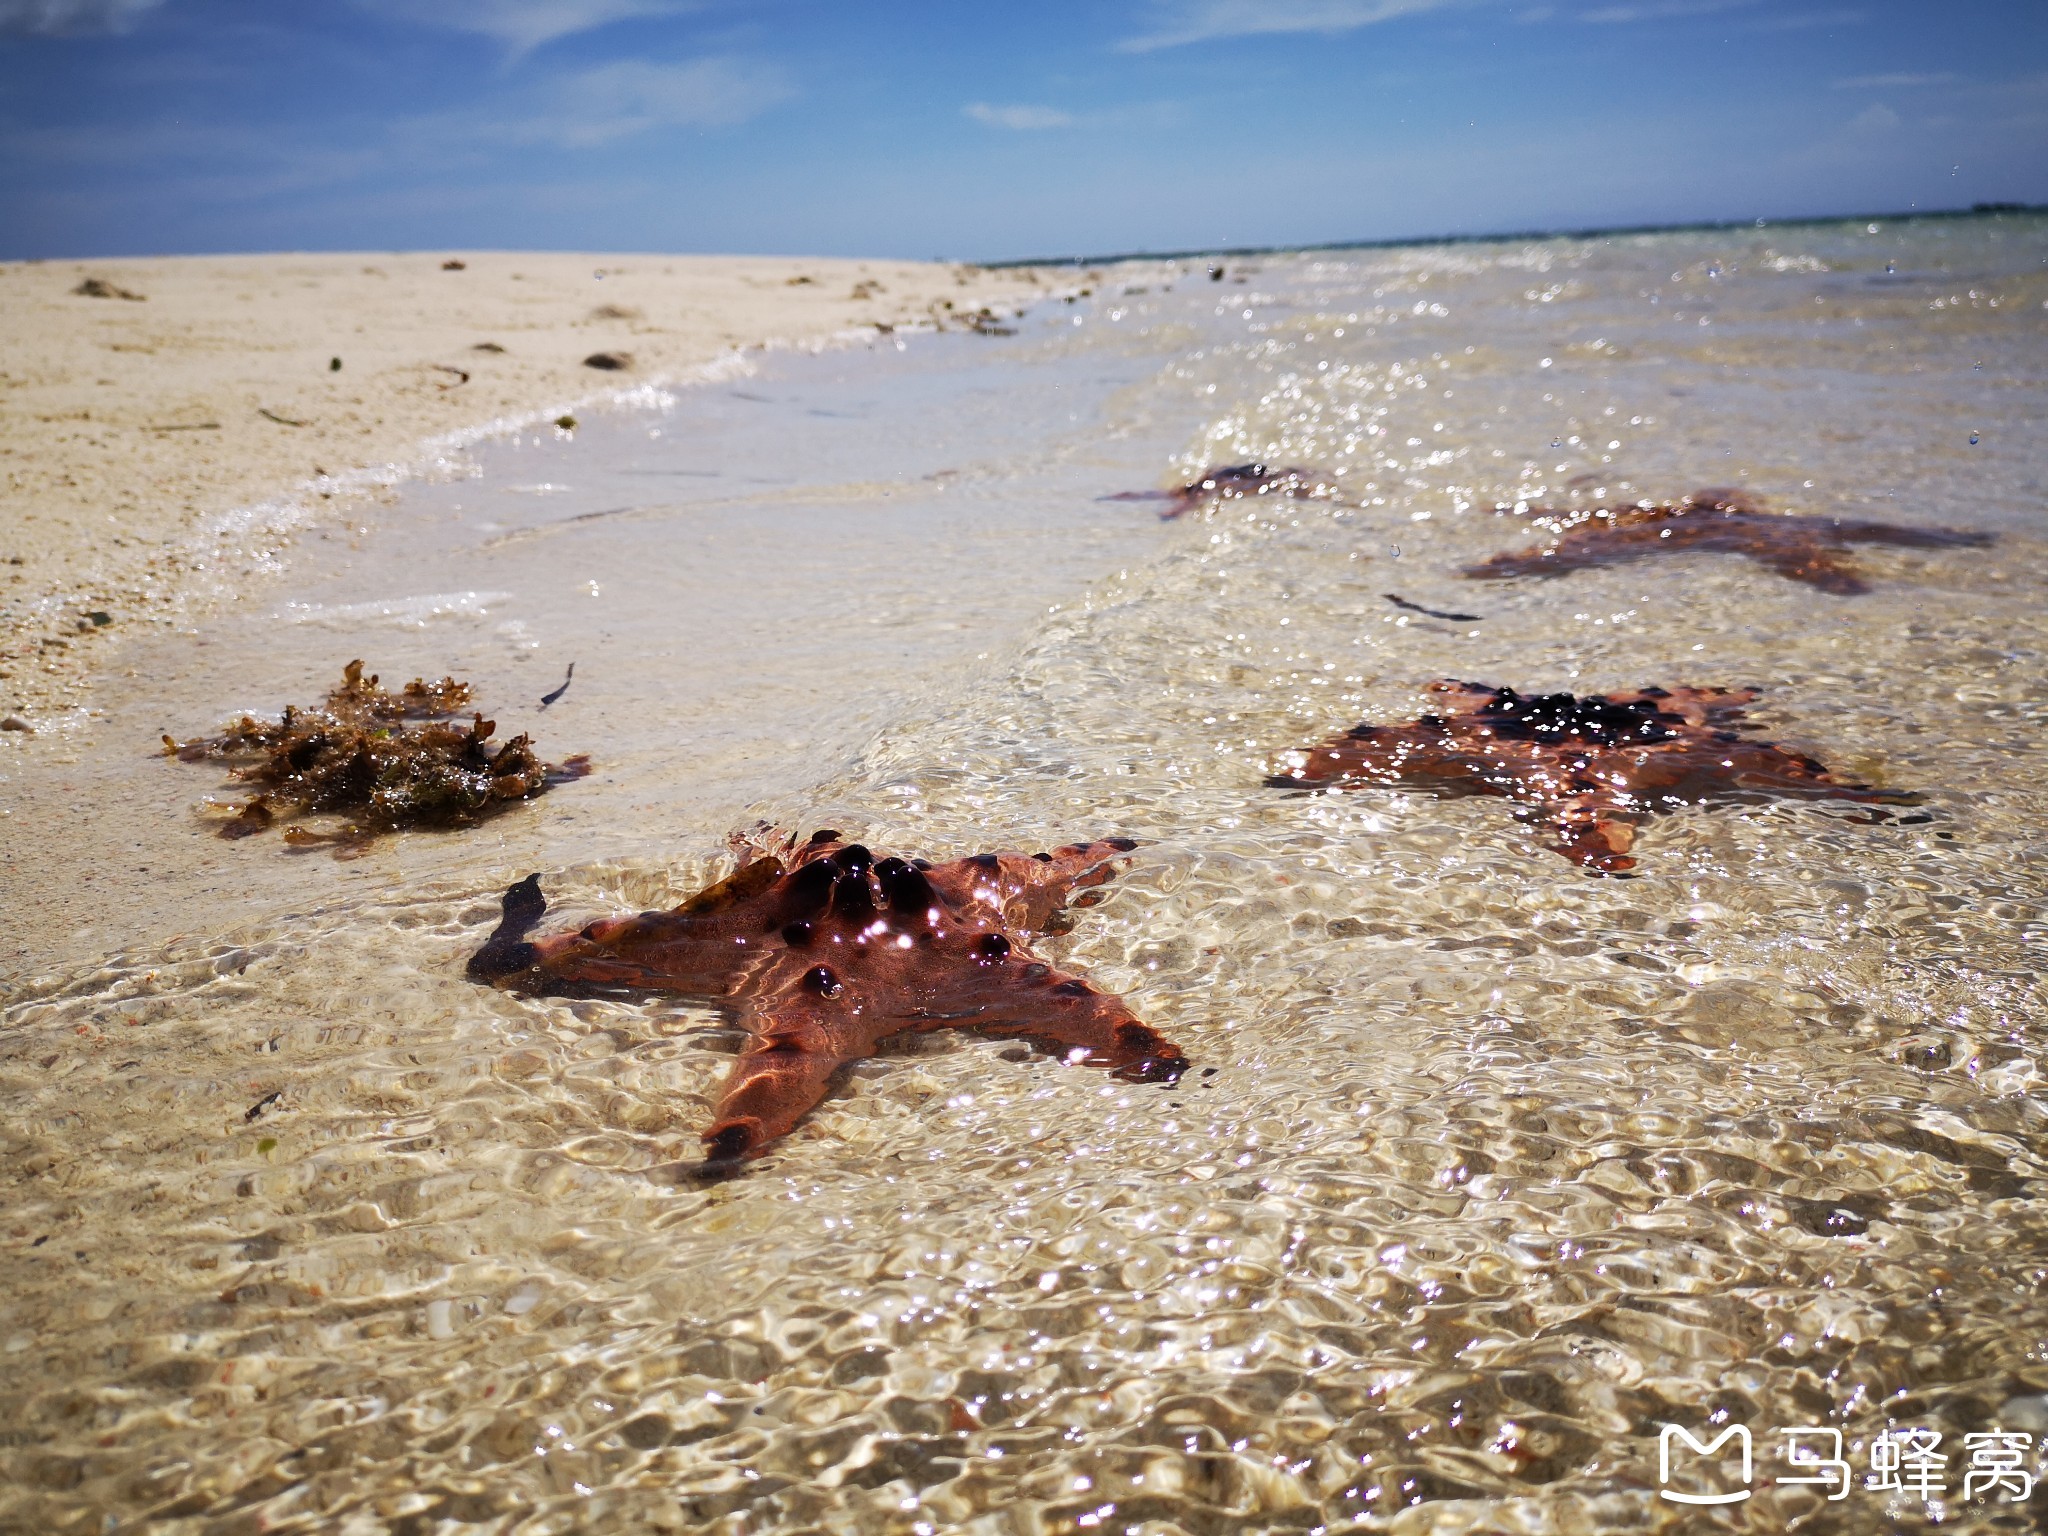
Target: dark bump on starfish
x=1071 y=989
x=1121 y=844
x=851 y=897
x=1036 y=972
x=991 y=947
x=985 y=861
x=1043 y=858
x=905 y=886
x=854 y=859
x=820 y=980
x=810 y=888
x=796 y=935
x=824 y=835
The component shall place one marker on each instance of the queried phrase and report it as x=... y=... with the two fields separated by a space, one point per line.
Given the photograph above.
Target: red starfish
x=1227 y=482
x=1593 y=767
x=1800 y=548
x=823 y=952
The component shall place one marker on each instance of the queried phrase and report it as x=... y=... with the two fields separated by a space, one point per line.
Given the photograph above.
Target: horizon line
x=1975 y=210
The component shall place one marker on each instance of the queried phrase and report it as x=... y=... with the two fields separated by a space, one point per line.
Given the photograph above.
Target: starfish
x=1591 y=767
x=1796 y=546
x=823 y=951
x=1227 y=482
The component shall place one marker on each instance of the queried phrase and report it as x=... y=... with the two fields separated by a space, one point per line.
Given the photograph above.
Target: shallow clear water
x=1499 y=1166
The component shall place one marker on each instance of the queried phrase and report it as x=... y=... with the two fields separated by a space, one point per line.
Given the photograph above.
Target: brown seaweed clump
x=1589 y=768
x=1797 y=546
x=389 y=761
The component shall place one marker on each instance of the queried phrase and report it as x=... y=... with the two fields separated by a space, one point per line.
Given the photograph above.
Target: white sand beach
x=144 y=401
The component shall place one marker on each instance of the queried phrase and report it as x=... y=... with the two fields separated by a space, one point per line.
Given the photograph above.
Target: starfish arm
x=1911 y=538
x=1774 y=771
x=1008 y=991
x=1815 y=566
x=1538 y=560
x=1024 y=891
x=1594 y=833
x=795 y=1051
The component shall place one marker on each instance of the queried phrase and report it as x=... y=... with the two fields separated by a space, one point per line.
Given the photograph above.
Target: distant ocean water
x=1501 y=1166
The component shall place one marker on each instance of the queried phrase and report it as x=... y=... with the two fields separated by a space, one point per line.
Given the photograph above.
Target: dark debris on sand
x=389 y=761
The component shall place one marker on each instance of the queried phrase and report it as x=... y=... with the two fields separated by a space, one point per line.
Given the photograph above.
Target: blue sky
x=980 y=130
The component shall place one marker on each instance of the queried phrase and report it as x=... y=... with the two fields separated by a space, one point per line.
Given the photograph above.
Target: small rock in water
x=608 y=362
x=16 y=723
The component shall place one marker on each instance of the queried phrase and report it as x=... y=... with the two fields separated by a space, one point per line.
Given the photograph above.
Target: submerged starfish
x=1796 y=546
x=823 y=952
x=1592 y=767
x=1228 y=482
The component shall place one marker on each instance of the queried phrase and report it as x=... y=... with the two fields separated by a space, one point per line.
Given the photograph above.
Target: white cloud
x=68 y=18
x=521 y=25
x=617 y=101
x=1890 y=82
x=1199 y=21
x=1023 y=119
x=1801 y=21
x=1874 y=119
x=1660 y=10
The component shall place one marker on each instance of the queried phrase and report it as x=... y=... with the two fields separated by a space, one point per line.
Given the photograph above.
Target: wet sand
x=160 y=436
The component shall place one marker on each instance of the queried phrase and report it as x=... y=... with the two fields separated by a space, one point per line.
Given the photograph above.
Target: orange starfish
x=1592 y=767
x=1229 y=482
x=822 y=952
x=1797 y=547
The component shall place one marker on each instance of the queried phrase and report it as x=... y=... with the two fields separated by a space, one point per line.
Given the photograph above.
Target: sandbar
x=166 y=422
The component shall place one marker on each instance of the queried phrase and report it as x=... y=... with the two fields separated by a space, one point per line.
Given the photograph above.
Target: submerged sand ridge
x=175 y=391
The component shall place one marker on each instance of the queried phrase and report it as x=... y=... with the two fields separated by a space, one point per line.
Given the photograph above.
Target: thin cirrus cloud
x=69 y=18
x=1893 y=82
x=1180 y=22
x=1659 y=10
x=520 y=25
x=622 y=100
x=1019 y=119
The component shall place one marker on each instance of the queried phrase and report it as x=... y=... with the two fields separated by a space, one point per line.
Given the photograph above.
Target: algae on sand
x=391 y=761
